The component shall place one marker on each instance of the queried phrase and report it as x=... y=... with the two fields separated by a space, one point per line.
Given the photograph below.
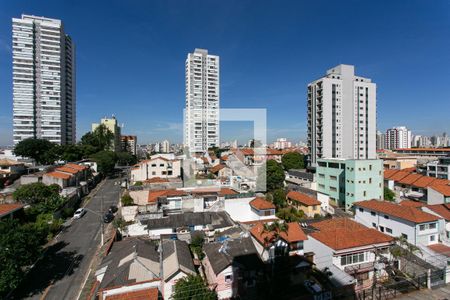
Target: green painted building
x=350 y=180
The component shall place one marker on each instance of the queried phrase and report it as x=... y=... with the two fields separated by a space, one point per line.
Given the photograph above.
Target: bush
x=67 y=212
x=127 y=200
x=138 y=183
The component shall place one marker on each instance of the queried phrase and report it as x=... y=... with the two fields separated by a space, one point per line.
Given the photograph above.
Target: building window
x=405 y=236
x=361 y=209
x=432 y=238
x=333 y=177
x=333 y=189
x=364 y=194
x=153 y=165
x=352 y=259
x=374 y=225
x=386 y=216
x=153 y=173
x=422 y=227
x=381 y=228
x=373 y=213
x=432 y=226
x=228 y=278
x=321 y=175
x=388 y=230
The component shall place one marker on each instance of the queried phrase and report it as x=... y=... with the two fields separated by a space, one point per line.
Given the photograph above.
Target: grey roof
x=301 y=174
x=129 y=261
x=176 y=257
x=215 y=219
x=239 y=251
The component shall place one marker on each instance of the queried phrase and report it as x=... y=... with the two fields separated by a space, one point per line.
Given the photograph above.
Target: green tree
x=106 y=161
x=101 y=138
x=389 y=195
x=126 y=159
x=71 y=152
x=127 y=200
x=34 y=193
x=192 y=287
x=293 y=160
x=19 y=248
x=197 y=245
x=274 y=175
x=290 y=214
x=279 y=198
x=37 y=149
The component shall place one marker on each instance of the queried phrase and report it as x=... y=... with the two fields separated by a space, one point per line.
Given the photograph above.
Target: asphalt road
x=64 y=267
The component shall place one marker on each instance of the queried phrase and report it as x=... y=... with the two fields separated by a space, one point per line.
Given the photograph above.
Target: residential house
x=10 y=210
x=305 y=203
x=132 y=267
x=443 y=212
x=273 y=243
x=176 y=264
x=62 y=179
x=9 y=166
x=438 y=194
x=416 y=226
x=347 y=250
x=231 y=267
x=158 y=166
x=221 y=171
x=262 y=208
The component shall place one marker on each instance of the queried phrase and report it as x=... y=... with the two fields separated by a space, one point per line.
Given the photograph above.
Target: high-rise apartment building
x=129 y=143
x=43 y=81
x=381 y=140
x=342 y=116
x=165 y=146
x=201 y=115
x=398 y=137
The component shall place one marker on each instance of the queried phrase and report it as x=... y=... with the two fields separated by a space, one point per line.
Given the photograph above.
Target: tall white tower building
x=398 y=137
x=201 y=118
x=342 y=116
x=43 y=80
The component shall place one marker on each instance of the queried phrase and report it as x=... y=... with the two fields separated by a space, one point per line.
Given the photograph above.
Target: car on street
x=79 y=213
x=108 y=217
x=113 y=209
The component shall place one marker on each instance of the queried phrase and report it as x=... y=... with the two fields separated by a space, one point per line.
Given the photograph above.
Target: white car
x=79 y=213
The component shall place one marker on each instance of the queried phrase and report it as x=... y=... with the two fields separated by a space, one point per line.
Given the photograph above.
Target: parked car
x=79 y=213
x=108 y=217
x=113 y=209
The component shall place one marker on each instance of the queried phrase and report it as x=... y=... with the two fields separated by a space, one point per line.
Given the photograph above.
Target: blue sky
x=130 y=59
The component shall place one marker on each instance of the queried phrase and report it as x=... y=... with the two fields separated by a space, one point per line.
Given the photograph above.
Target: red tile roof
x=154 y=195
x=411 y=203
x=6 y=209
x=442 y=189
x=146 y=294
x=410 y=179
x=424 y=182
x=389 y=173
x=441 y=249
x=411 y=214
x=76 y=167
x=399 y=175
x=217 y=168
x=260 y=204
x=227 y=191
x=294 y=234
x=58 y=175
x=156 y=180
x=302 y=198
x=411 y=169
x=344 y=233
x=67 y=170
x=424 y=149
x=441 y=209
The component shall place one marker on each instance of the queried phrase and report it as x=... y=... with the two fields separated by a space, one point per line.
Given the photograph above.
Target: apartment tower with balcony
x=341 y=116
x=43 y=81
x=201 y=115
x=398 y=137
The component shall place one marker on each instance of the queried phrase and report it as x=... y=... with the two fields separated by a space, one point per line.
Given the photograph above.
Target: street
x=62 y=271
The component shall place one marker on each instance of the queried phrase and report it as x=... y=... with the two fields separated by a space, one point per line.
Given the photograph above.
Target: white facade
x=201 y=119
x=165 y=146
x=419 y=234
x=156 y=167
x=43 y=81
x=342 y=116
x=398 y=137
x=282 y=143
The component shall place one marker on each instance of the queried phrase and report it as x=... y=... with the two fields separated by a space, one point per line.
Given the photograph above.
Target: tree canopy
x=389 y=195
x=34 y=193
x=37 y=149
x=274 y=175
x=101 y=138
x=20 y=246
x=106 y=161
x=192 y=287
x=293 y=160
x=126 y=159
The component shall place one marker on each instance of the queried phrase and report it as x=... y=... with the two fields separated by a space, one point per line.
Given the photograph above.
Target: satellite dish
x=447 y=226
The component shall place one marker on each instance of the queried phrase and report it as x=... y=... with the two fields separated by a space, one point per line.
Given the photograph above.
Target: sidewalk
x=436 y=294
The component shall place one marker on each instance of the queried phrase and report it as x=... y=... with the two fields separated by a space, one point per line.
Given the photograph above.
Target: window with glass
x=352 y=259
